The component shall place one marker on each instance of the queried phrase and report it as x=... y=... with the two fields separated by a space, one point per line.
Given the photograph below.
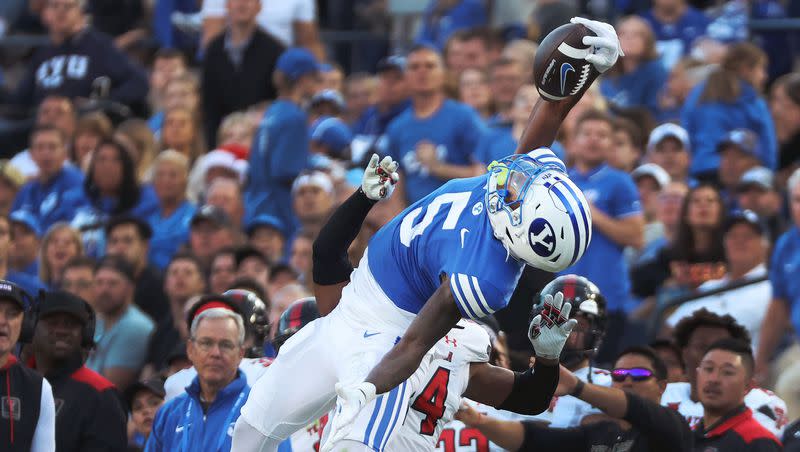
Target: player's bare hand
x=380 y=178
x=607 y=48
x=469 y=415
x=549 y=330
x=351 y=400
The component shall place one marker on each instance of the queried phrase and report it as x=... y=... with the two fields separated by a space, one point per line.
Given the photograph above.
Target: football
x=559 y=68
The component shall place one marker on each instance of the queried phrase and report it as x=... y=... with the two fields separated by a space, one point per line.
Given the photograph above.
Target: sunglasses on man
x=636 y=374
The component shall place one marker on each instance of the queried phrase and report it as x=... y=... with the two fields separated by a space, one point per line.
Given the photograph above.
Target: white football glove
x=606 y=44
x=549 y=330
x=379 y=178
x=351 y=400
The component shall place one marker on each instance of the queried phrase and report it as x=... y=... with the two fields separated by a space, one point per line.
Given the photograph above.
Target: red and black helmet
x=299 y=314
x=586 y=301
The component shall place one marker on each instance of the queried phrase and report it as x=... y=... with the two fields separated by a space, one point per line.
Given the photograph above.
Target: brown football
x=559 y=68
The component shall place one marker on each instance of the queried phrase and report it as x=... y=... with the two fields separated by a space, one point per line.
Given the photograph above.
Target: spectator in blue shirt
x=171 y=221
x=110 y=189
x=434 y=138
x=616 y=218
x=47 y=197
x=676 y=26
x=669 y=148
x=783 y=312
x=638 y=77
x=729 y=99
x=207 y=412
x=443 y=17
x=392 y=99
x=280 y=147
x=123 y=331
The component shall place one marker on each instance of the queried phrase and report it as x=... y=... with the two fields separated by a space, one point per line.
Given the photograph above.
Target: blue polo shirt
x=783 y=273
x=613 y=193
x=455 y=129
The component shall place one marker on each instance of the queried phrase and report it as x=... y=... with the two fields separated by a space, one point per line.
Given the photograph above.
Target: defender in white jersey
x=693 y=335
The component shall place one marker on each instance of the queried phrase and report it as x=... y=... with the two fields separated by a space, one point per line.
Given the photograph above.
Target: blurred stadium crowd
x=156 y=151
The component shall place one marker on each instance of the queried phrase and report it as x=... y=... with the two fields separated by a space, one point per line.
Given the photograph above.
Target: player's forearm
x=533 y=389
x=543 y=123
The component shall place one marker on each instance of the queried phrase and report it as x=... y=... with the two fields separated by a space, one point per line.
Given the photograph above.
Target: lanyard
x=223 y=433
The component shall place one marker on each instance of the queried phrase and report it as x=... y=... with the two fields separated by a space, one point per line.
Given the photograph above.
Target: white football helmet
x=540 y=216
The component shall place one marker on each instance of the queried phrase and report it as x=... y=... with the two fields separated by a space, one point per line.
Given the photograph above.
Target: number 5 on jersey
x=458 y=202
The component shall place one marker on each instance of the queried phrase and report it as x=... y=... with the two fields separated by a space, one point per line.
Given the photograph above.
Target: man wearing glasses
x=636 y=421
x=203 y=417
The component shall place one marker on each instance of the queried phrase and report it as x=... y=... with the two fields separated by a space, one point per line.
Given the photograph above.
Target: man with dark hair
x=123 y=331
x=636 y=422
x=90 y=415
x=693 y=335
x=129 y=238
x=44 y=196
x=724 y=377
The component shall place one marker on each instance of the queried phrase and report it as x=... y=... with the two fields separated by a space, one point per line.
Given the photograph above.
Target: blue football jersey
x=445 y=233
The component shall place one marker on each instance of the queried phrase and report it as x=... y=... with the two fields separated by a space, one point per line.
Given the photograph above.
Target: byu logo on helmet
x=566 y=67
x=542 y=237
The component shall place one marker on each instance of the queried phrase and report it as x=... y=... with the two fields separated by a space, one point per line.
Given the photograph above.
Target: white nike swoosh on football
x=463 y=233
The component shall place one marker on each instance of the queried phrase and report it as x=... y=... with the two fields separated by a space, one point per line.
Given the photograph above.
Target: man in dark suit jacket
x=237 y=69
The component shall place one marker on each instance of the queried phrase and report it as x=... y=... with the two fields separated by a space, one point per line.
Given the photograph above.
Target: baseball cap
x=59 y=301
x=391 y=63
x=11 y=174
x=265 y=220
x=745 y=140
x=317 y=178
x=13 y=292
x=213 y=214
x=26 y=219
x=748 y=217
x=668 y=130
x=656 y=172
x=328 y=95
x=759 y=177
x=153 y=385
x=331 y=132
x=297 y=62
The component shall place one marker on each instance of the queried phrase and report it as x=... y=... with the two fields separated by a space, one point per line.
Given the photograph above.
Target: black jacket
x=149 y=293
x=228 y=88
x=21 y=401
x=654 y=429
x=89 y=413
x=737 y=431
x=70 y=68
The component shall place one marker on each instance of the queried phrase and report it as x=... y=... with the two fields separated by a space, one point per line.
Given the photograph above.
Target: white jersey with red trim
x=768 y=409
x=436 y=403
x=457 y=437
x=568 y=411
x=252 y=368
